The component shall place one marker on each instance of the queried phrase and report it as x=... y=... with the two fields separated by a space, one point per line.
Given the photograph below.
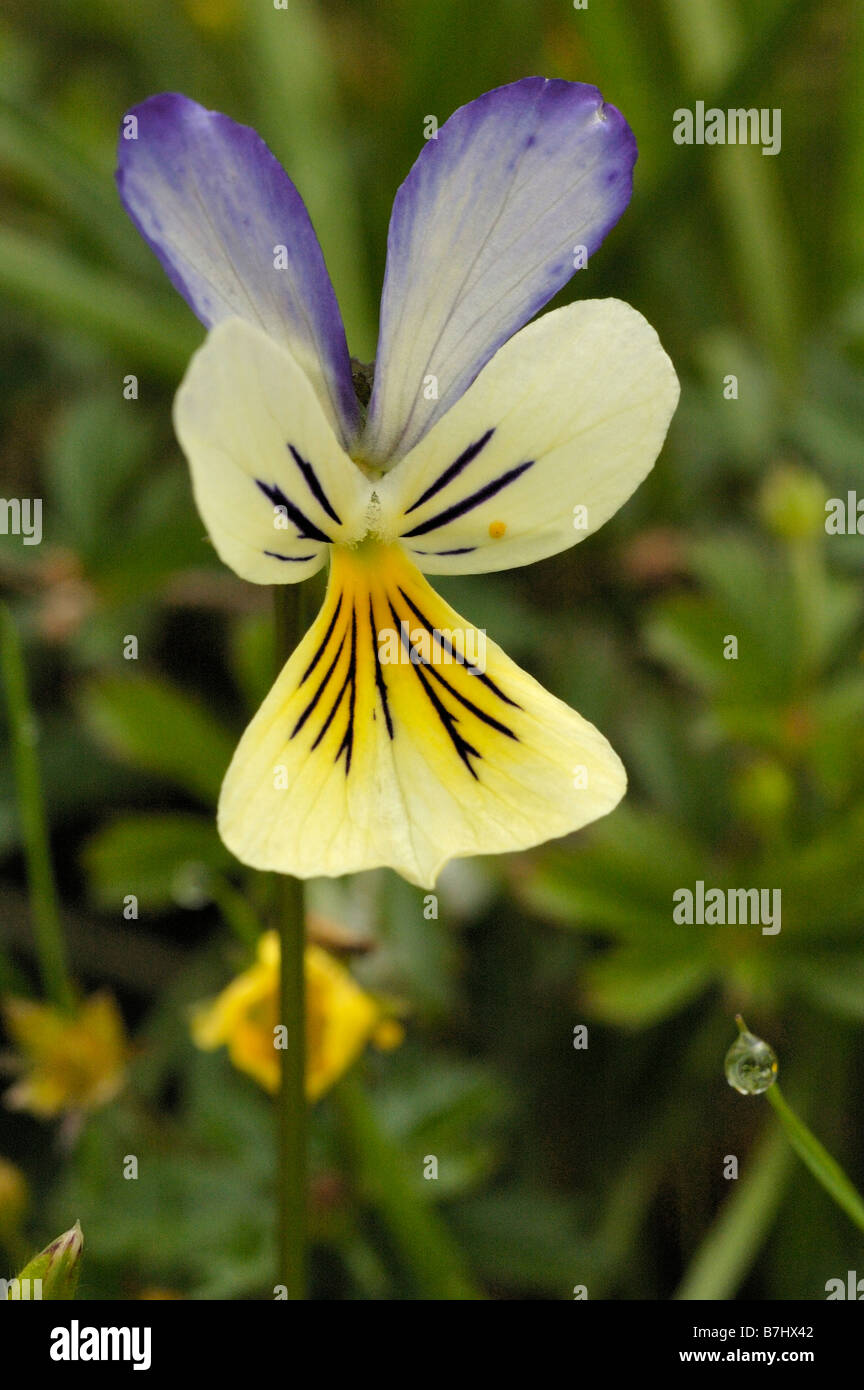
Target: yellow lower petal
x=381 y=744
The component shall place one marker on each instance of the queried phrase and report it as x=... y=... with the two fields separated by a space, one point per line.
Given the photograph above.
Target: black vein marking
x=460 y=550
x=470 y=705
x=469 y=503
x=325 y=681
x=323 y=647
x=314 y=484
x=274 y=555
x=347 y=744
x=453 y=470
x=379 y=675
x=350 y=679
x=447 y=645
x=306 y=529
x=426 y=671
x=449 y=720
x=464 y=749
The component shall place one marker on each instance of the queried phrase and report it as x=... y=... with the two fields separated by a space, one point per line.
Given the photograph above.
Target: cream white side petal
x=273 y=485
x=554 y=435
x=354 y=762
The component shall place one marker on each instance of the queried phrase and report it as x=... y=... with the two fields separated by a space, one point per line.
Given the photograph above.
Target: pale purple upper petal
x=483 y=233
x=234 y=236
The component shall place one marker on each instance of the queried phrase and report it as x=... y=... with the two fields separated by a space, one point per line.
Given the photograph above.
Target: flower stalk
x=291 y=1104
x=751 y=1068
x=47 y=928
x=824 y=1168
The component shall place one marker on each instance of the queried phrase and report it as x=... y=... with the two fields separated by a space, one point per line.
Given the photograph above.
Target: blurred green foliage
x=557 y=1166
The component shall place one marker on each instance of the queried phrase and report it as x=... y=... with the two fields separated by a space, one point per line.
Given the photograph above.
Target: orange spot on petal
x=497 y=529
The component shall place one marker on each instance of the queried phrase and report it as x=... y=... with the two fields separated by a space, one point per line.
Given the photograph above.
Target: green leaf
x=688 y=631
x=711 y=46
x=622 y=881
x=93 y=454
x=150 y=328
x=823 y=891
x=38 y=155
x=162 y=532
x=721 y=1262
x=159 y=729
x=523 y=1238
x=834 y=983
x=292 y=76
x=635 y=988
x=430 y=1255
x=147 y=855
x=445 y=1108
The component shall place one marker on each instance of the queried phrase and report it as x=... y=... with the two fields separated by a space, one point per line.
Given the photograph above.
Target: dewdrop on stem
x=751 y=1065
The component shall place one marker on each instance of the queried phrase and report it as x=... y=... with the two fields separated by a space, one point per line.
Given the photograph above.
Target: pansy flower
x=395 y=735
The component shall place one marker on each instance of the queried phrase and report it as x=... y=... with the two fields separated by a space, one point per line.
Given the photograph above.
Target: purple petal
x=483 y=233
x=216 y=206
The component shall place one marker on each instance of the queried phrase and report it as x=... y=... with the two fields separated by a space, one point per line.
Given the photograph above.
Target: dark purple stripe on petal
x=325 y=639
x=447 y=646
x=458 y=550
x=464 y=750
x=347 y=744
x=322 y=686
x=349 y=680
x=314 y=484
x=379 y=678
x=306 y=529
x=295 y=559
x=469 y=503
x=453 y=470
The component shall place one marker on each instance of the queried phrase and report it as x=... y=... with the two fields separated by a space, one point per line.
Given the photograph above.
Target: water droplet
x=751 y=1066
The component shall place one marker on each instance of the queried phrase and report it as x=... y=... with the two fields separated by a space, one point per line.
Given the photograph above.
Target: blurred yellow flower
x=341 y=1019
x=69 y=1062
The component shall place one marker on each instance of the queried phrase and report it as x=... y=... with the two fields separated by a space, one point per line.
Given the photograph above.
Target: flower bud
x=54 y=1271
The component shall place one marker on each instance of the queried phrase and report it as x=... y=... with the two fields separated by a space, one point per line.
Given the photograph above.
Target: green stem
x=291 y=1105
x=423 y=1244
x=824 y=1168
x=727 y=1253
x=48 y=931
